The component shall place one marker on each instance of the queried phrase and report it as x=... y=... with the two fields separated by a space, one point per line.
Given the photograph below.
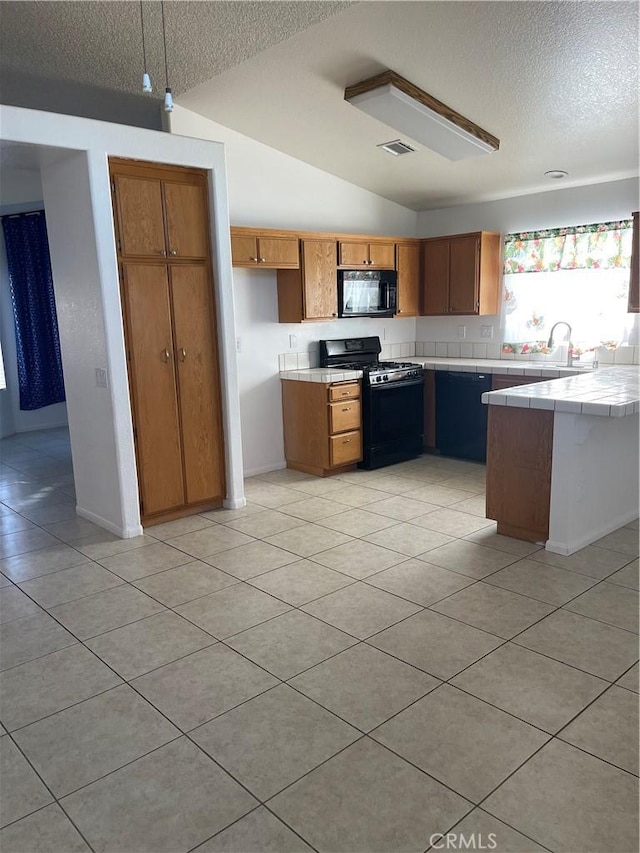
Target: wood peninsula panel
x=519 y=451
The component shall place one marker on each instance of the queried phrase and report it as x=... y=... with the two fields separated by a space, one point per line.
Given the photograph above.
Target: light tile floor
x=354 y=664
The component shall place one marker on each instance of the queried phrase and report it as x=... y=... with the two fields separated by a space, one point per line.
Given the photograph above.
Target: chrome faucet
x=550 y=341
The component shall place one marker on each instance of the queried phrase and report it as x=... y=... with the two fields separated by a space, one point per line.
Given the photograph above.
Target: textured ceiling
x=101 y=42
x=557 y=82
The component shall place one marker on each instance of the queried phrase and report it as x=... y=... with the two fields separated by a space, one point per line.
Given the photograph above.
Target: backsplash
x=456 y=349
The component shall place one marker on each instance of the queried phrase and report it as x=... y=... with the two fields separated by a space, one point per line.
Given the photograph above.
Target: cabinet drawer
x=345 y=448
x=344 y=392
x=344 y=416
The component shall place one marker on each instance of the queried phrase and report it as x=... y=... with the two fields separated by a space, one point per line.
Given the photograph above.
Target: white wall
x=12 y=417
x=268 y=189
x=594 y=479
x=553 y=209
x=77 y=199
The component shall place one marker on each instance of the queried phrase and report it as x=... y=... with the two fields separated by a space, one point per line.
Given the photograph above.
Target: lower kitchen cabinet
x=322 y=426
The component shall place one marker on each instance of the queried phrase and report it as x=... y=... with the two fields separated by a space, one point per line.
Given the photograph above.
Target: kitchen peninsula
x=562 y=458
x=562 y=463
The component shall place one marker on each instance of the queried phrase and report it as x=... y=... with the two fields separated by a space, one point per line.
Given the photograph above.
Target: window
x=578 y=274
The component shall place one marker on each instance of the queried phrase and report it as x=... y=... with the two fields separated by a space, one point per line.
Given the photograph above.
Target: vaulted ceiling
x=556 y=82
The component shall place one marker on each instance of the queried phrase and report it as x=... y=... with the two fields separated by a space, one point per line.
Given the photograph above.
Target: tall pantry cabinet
x=162 y=234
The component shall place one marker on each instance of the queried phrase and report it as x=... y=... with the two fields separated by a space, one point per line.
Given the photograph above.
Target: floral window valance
x=605 y=245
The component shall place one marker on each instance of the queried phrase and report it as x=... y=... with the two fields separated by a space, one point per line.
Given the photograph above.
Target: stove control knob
x=386 y=377
x=378 y=378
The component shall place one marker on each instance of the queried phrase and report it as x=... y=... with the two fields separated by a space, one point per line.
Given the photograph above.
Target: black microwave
x=367 y=293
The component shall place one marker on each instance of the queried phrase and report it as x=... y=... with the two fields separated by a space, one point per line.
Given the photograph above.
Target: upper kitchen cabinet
x=354 y=255
x=461 y=274
x=634 y=280
x=160 y=217
x=408 y=266
x=310 y=293
x=251 y=249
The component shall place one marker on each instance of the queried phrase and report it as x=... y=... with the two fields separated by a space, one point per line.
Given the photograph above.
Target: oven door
x=395 y=412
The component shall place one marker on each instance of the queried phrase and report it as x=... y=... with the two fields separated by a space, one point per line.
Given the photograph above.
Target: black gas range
x=392 y=399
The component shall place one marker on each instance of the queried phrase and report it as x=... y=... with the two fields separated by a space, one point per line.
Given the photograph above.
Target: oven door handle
x=403 y=383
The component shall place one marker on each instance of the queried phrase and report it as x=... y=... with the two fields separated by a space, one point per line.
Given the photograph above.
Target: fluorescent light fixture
x=395 y=101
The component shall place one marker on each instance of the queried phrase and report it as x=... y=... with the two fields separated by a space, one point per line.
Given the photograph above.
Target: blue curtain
x=34 y=310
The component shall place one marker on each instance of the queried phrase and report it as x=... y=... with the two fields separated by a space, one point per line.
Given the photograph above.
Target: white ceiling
x=557 y=82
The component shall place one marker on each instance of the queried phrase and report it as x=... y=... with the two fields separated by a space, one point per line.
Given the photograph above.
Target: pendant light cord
x=164 y=39
x=144 y=51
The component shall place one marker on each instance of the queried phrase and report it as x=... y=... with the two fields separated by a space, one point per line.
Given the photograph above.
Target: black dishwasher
x=461 y=416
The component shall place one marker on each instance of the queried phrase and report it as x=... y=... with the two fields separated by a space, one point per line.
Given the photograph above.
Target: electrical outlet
x=101 y=377
x=384 y=334
x=486 y=331
x=238 y=344
x=462 y=331
x=293 y=341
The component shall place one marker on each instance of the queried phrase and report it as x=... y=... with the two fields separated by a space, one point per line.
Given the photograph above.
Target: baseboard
x=566 y=549
x=123 y=533
x=265 y=469
x=234 y=503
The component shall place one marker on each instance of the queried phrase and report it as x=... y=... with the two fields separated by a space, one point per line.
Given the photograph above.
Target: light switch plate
x=486 y=332
x=101 y=377
x=462 y=331
x=293 y=341
x=238 y=345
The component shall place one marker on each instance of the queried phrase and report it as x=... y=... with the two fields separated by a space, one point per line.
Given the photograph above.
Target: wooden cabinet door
x=319 y=280
x=353 y=255
x=153 y=386
x=278 y=252
x=198 y=382
x=138 y=202
x=435 y=282
x=408 y=261
x=464 y=275
x=186 y=215
x=244 y=251
x=382 y=256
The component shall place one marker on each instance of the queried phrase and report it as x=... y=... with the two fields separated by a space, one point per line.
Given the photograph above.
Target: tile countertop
x=611 y=391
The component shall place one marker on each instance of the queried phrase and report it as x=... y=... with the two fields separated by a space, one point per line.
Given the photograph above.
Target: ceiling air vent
x=396 y=147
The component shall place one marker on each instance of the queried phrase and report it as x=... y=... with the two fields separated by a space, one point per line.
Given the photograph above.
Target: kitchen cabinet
x=266 y=251
x=500 y=381
x=634 y=276
x=322 y=426
x=361 y=254
x=170 y=336
x=310 y=293
x=461 y=274
x=161 y=216
x=408 y=267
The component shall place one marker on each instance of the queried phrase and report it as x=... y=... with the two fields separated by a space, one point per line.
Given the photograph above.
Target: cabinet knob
x=347 y=409
x=399 y=310
x=173 y=252
x=161 y=252
x=166 y=355
x=453 y=307
x=347 y=441
x=255 y=260
x=262 y=260
x=183 y=353
x=334 y=314
x=365 y=262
